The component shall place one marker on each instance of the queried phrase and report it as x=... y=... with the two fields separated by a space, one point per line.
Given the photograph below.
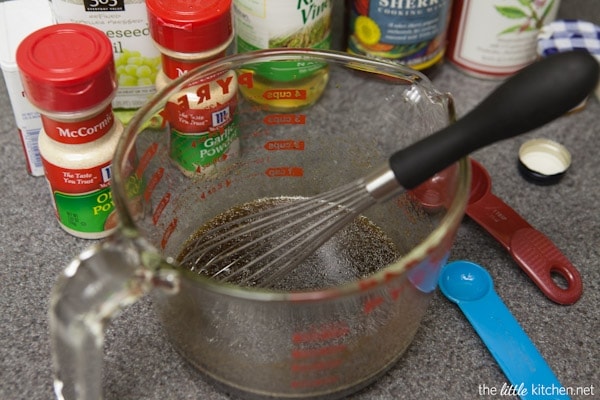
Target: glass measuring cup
x=332 y=326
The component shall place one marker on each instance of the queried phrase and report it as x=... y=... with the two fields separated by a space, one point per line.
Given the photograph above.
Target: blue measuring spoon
x=471 y=287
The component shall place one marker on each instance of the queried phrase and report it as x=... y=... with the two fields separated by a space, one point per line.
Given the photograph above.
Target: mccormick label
x=265 y=24
x=79 y=132
x=82 y=197
x=411 y=32
x=125 y=22
x=203 y=123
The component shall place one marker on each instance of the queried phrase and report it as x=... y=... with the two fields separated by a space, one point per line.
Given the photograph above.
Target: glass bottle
x=267 y=24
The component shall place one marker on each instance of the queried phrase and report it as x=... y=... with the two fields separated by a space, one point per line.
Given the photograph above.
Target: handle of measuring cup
x=92 y=289
x=536 y=95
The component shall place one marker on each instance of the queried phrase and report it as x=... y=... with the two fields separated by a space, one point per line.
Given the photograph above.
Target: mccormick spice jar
x=496 y=39
x=204 y=127
x=412 y=33
x=68 y=75
x=266 y=24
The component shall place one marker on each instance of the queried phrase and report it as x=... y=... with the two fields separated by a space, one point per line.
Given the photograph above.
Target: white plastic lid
x=19 y=18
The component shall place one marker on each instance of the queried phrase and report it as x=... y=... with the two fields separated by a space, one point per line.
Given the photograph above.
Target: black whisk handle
x=536 y=95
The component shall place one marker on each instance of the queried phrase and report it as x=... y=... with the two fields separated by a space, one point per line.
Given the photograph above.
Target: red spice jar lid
x=67 y=67
x=190 y=26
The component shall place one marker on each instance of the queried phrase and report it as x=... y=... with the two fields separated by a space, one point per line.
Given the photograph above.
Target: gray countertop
x=447 y=360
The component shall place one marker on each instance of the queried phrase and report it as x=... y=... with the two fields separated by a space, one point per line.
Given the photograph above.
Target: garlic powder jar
x=68 y=75
x=202 y=117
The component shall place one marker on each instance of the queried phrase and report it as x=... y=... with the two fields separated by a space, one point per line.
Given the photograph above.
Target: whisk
x=260 y=248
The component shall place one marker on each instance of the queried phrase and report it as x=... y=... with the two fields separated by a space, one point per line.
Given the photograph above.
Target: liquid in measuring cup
x=355 y=252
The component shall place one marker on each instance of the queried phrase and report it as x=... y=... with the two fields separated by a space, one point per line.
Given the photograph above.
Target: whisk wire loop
x=259 y=248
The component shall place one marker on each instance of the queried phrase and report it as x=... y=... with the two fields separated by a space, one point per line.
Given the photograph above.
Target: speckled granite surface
x=447 y=360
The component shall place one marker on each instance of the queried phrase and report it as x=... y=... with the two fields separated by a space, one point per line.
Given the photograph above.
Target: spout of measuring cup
x=91 y=290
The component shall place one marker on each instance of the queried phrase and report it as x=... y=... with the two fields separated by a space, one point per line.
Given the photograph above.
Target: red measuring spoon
x=533 y=251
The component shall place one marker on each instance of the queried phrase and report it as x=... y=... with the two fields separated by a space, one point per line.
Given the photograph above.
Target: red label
x=174 y=68
x=186 y=119
x=77 y=180
x=80 y=131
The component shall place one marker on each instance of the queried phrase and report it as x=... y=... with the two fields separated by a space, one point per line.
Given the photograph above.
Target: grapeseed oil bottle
x=125 y=22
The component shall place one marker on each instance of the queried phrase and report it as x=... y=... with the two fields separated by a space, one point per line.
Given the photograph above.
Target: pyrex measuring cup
x=333 y=325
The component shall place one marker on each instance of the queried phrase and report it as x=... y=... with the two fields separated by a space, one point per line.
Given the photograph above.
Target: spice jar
x=68 y=75
x=202 y=117
x=270 y=24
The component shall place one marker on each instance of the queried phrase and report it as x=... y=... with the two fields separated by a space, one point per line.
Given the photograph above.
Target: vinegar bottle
x=271 y=24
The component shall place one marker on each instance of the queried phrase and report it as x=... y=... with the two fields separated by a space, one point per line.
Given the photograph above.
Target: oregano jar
x=69 y=76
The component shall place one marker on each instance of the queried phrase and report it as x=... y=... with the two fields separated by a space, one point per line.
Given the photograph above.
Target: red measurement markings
x=285 y=119
x=154 y=180
x=214 y=189
x=321 y=334
x=146 y=158
x=394 y=292
x=278 y=172
x=322 y=360
x=162 y=204
x=284 y=94
x=276 y=145
x=168 y=232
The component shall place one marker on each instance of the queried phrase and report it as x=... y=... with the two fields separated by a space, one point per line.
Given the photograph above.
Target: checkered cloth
x=566 y=35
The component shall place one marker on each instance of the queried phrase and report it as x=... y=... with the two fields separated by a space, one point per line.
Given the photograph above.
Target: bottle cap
x=67 y=67
x=190 y=26
x=543 y=161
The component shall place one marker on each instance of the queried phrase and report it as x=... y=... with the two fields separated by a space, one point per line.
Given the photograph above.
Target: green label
x=285 y=71
x=85 y=212
x=192 y=151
